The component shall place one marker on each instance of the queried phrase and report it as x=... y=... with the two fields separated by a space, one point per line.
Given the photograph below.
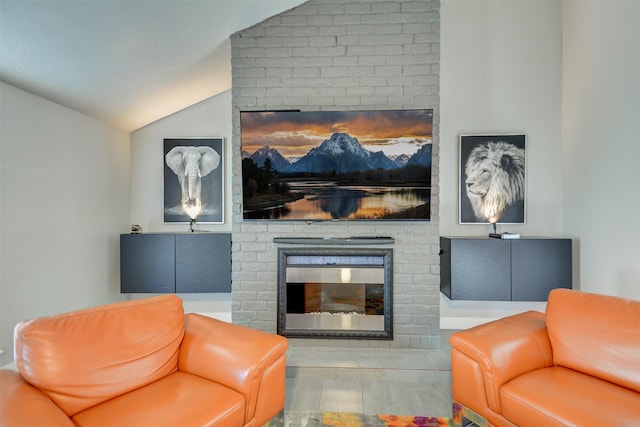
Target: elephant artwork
x=193 y=180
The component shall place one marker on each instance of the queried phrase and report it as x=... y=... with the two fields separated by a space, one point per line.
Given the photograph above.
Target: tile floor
x=370 y=381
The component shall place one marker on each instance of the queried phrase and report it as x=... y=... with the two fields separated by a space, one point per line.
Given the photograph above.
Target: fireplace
x=335 y=293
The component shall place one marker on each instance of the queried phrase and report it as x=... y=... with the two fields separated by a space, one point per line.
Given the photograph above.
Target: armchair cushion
x=131 y=345
x=165 y=402
x=561 y=396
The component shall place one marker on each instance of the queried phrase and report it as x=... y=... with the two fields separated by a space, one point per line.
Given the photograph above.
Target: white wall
x=501 y=72
x=601 y=148
x=64 y=199
x=210 y=118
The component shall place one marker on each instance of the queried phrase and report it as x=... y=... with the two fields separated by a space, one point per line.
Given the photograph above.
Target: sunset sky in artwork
x=294 y=133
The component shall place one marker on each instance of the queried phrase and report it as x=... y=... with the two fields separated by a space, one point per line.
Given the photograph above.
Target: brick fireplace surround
x=340 y=55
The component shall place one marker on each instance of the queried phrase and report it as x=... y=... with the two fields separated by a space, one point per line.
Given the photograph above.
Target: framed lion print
x=492 y=179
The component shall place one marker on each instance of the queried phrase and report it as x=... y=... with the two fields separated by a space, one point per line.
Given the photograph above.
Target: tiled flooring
x=370 y=381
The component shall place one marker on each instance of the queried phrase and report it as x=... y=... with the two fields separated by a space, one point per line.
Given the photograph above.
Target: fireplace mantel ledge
x=355 y=240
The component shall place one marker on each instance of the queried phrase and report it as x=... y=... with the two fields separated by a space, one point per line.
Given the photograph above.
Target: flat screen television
x=336 y=165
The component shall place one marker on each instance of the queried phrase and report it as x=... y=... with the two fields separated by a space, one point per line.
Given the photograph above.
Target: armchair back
x=595 y=334
x=83 y=358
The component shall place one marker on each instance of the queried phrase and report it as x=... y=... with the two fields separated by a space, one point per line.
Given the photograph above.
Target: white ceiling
x=126 y=62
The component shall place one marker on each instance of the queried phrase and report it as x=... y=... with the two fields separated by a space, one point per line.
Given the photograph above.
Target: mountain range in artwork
x=341 y=153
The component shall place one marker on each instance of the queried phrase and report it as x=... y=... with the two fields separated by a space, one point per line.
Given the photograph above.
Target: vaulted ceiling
x=125 y=62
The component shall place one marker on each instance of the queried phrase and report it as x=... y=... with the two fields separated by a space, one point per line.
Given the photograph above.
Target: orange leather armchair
x=142 y=363
x=578 y=364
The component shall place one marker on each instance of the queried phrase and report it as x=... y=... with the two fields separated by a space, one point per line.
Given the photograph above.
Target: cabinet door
x=480 y=270
x=147 y=263
x=445 y=266
x=538 y=266
x=203 y=262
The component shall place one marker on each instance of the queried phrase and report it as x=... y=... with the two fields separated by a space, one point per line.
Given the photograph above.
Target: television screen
x=336 y=165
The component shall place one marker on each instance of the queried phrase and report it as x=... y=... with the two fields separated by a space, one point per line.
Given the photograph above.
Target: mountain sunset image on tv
x=336 y=165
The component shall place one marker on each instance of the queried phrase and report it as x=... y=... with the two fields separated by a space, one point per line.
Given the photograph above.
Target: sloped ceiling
x=125 y=62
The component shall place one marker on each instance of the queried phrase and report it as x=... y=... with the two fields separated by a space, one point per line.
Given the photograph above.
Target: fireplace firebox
x=335 y=293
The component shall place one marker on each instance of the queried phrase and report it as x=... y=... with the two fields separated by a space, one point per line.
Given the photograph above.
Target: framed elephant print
x=194 y=180
x=492 y=179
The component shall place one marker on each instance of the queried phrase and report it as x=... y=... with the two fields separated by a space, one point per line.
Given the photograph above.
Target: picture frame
x=347 y=165
x=194 y=180
x=492 y=179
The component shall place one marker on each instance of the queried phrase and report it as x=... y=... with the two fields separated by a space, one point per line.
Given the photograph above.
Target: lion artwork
x=495 y=182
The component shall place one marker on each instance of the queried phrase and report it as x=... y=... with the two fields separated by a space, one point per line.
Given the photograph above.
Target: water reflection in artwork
x=329 y=201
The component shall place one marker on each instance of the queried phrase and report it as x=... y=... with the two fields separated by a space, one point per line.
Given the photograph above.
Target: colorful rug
x=348 y=419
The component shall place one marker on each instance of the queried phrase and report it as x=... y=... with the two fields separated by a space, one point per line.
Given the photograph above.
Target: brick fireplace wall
x=340 y=55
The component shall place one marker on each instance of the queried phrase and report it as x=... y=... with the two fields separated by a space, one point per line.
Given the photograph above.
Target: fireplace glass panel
x=333 y=295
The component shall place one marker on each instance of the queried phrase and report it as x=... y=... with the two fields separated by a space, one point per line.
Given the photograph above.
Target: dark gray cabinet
x=486 y=269
x=180 y=263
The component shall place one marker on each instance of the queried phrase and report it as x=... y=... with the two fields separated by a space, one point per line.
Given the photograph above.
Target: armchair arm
x=487 y=356
x=250 y=361
x=21 y=404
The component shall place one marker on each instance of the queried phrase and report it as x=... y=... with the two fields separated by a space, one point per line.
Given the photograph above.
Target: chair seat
x=565 y=397
x=179 y=399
